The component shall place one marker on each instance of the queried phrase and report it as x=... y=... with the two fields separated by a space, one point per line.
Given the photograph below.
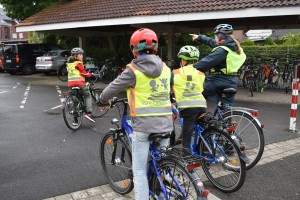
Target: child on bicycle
x=187 y=84
x=76 y=78
x=147 y=81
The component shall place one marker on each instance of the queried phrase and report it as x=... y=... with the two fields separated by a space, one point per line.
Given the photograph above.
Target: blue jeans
x=213 y=83
x=140 y=154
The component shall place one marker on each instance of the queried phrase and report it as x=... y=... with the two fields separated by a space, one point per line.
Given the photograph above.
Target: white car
x=51 y=61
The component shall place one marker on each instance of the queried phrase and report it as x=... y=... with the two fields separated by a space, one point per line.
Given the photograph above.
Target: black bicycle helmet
x=223 y=28
x=77 y=50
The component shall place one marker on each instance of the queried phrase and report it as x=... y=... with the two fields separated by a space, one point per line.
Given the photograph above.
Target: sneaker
x=89 y=117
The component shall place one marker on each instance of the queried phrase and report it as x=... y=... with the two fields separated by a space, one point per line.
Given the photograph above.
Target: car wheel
x=28 y=69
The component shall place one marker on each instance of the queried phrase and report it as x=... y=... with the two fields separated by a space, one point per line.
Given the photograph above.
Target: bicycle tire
x=227 y=171
x=96 y=112
x=251 y=86
x=250 y=133
x=172 y=170
x=119 y=175
x=62 y=73
x=72 y=116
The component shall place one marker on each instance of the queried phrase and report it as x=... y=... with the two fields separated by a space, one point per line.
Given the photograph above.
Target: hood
x=151 y=65
x=228 y=42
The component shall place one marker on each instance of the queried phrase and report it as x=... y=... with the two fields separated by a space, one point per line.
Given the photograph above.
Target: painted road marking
x=23 y=102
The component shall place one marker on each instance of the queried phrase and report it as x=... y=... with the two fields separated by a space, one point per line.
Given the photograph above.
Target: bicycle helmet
x=188 y=53
x=223 y=28
x=77 y=50
x=144 y=39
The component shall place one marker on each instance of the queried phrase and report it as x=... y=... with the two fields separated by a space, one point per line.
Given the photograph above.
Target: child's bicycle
x=169 y=176
x=247 y=132
x=74 y=106
x=221 y=157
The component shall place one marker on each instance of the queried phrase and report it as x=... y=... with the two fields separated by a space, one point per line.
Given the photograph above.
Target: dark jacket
x=217 y=58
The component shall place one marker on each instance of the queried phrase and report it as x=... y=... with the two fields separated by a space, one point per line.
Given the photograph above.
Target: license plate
x=8 y=61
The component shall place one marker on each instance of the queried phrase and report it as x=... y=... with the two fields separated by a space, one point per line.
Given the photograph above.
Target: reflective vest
x=74 y=74
x=150 y=96
x=233 y=60
x=188 y=87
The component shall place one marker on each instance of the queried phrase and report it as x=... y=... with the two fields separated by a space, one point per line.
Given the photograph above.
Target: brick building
x=8 y=31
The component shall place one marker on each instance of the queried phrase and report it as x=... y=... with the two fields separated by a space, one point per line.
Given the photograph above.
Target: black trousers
x=189 y=116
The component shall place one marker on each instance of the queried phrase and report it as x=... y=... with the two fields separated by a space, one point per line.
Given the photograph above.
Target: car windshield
x=9 y=49
x=51 y=53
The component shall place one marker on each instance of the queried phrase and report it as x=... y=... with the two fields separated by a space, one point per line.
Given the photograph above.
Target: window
x=6 y=32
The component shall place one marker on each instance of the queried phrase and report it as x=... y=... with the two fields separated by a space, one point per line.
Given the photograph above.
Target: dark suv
x=22 y=57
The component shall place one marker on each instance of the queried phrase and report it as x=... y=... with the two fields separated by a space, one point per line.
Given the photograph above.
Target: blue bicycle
x=221 y=158
x=247 y=132
x=169 y=177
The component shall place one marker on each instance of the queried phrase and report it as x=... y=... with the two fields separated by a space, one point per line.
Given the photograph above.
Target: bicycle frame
x=198 y=130
x=154 y=158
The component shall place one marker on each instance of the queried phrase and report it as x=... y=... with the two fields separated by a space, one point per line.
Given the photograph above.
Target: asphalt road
x=40 y=157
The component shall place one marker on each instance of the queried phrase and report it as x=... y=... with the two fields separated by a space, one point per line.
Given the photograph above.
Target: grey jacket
x=151 y=65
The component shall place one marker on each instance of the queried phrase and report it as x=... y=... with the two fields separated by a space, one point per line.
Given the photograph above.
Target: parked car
x=51 y=61
x=22 y=57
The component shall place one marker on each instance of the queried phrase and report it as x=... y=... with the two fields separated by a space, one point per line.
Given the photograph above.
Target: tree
x=21 y=10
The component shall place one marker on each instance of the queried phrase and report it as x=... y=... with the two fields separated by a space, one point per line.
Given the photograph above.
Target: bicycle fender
x=245 y=110
x=243 y=155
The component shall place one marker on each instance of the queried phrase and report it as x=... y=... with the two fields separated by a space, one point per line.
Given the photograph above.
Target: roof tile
x=84 y=10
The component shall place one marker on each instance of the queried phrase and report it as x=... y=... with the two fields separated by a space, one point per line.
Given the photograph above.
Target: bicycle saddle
x=154 y=136
x=228 y=91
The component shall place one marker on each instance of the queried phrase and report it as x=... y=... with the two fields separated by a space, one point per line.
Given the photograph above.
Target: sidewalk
x=243 y=94
x=273 y=152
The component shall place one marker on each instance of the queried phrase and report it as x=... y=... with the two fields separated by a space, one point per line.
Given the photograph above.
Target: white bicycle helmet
x=77 y=50
x=188 y=53
x=223 y=28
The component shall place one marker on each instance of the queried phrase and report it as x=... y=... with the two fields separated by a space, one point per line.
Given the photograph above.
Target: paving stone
x=79 y=195
x=95 y=191
x=64 y=197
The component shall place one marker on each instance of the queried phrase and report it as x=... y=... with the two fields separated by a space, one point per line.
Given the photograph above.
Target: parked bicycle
x=74 y=106
x=62 y=73
x=267 y=76
x=247 y=132
x=247 y=77
x=289 y=72
x=168 y=177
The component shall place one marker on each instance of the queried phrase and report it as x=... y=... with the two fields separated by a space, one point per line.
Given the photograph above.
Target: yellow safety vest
x=188 y=87
x=233 y=60
x=73 y=73
x=150 y=96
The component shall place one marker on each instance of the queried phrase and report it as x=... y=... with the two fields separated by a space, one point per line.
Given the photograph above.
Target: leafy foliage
x=21 y=10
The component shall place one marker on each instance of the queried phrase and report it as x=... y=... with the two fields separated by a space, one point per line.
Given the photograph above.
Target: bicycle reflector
x=193 y=166
x=254 y=113
x=204 y=193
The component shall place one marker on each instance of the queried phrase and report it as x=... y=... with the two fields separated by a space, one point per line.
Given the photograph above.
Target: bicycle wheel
x=251 y=86
x=178 y=181
x=96 y=110
x=249 y=133
x=117 y=170
x=62 y=73
x=224 y=167
x=72 y=115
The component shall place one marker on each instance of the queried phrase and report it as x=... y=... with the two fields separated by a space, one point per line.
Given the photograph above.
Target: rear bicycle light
x=254 y=113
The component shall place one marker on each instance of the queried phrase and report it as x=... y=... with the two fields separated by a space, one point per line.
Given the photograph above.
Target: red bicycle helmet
x=144 y=39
